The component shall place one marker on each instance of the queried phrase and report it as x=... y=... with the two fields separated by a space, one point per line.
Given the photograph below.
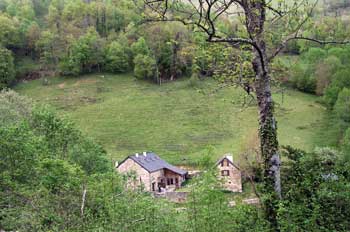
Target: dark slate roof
x=152 y=162
x=225 y=157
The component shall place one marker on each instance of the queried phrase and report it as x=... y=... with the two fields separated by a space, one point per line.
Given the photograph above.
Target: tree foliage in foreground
x=316 y=191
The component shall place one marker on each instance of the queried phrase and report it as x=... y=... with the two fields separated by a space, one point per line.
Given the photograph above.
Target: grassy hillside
x=175 y=120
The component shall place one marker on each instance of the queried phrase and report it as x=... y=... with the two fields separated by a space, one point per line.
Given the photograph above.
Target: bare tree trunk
x=83 y=198
x=173 y=73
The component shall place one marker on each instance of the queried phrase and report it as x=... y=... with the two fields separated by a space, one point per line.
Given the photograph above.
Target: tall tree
x=265 y=31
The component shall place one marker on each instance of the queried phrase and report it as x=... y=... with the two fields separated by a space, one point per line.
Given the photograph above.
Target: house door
x=153 y=186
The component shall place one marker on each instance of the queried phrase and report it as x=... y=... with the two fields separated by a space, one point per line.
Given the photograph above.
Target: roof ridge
x=225 y=157
x=152 y=162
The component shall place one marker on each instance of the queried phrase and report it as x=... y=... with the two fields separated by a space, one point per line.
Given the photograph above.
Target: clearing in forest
x=177 y=120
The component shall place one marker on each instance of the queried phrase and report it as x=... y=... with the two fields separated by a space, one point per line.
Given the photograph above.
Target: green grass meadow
x=176 y=120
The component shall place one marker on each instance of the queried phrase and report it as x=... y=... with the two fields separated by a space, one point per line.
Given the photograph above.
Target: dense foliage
x=7 y=70
x=316 y=191
x=76 y=37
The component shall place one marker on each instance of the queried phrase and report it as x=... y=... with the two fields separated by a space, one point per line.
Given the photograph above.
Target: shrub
x=7 y=68
x=58 y=175
x=342 y=105
x=303 y=78
x=313 y=55
x=346 y=145
x=145 y=67
x=116 y=58
x=316 y=191
x=194 y=81
x=13 y=107
x=140 y=47
x=339 y=80
x=324 y=72
x=70 y=67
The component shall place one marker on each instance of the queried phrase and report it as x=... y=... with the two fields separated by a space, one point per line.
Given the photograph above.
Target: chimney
x=229 y=157
x=144 y=154
x=137 y=154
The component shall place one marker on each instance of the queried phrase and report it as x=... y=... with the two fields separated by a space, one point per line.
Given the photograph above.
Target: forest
x=85 y=83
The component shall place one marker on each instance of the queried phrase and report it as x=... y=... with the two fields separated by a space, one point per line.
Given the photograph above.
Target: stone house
x=151 y=172
x=229 y=173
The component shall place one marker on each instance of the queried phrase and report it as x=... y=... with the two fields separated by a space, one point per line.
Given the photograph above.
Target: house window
x=225 y=173
x=170 y=181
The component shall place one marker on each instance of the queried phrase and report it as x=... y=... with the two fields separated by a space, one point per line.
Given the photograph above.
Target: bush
x=13 y=107
x=145 y=67
x=340 y=80
x=346 y=145
x=303 y=78
x=140 y=47
x=7 y=68
x=313 y=55
x=116 y=58
x=316 y=191
x=324 y=72
x=58 y=175
x=331 y=95
x=342 y=105
x=70 y=67
x=194 y=81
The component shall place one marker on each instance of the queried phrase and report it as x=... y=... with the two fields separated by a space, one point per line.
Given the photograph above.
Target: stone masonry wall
x=142 y=176
x=233 y=182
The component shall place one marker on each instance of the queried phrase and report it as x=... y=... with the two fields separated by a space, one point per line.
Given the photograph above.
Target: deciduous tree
x=261 y=20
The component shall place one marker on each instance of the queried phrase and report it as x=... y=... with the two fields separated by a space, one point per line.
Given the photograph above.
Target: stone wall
x=174 y=176
x=155 y=178
x=142 y=176
x=177 y=197
x=147 y=179
x=233 y=182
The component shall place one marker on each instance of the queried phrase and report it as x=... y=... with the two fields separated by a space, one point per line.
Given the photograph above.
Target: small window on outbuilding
x=225 y=173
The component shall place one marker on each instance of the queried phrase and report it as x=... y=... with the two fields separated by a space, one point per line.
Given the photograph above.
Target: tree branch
x=285 y=42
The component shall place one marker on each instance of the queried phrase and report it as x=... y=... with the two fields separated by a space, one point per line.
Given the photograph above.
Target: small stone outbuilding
x=152 y=173
x=230 y=174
